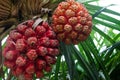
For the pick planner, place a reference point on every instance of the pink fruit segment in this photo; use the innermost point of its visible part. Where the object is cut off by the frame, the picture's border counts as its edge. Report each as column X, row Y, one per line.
column 48, row 68
column 10, row 55
column 15, row 35
column 32, row 54
column 9, row 64
column 28, row 76
column 21, row 28
column 42, row 51
column 39, row 74
column 30, row 69
column 41, row 64
column 20, row 45
column 20, row 61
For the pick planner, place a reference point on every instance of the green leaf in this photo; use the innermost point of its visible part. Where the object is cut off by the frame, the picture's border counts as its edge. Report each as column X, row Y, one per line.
column 95, row 52
column 57, row 67
column 110, row 50
column 90, row 59
column 109, row 18
column 109, row 25
column 69, row 59
column 103, row 34
column 101, row 10
column 83, row 63
column 86, row 1
column 96, row 8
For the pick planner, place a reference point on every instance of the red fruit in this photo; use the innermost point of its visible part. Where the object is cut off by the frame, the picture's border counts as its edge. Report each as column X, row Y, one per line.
column 50, row 51
column 21, row 61
column 29, row 49
column 32, row 54
column 21, row 28
column 48, row 68
column 56, row 52
column 18, row 71
column 67, row 28
column 28, row 76
column 70, row 20
column 46, row 25
column 30, row 23
column 32, row 41
column 78, row 27
column 29, row 32
column 58, row 28
column 44, row 41
column 54, row 43
column 9, row 64
column 15, row 35
column 10, row 44
column 40, row 64
column 50, row 34
column 53, row 52
column 30, row 69
column 10, row 55
column 49, row 59
column 42, row 51
column 20, row 45
column 40, row 30
column 39, row 74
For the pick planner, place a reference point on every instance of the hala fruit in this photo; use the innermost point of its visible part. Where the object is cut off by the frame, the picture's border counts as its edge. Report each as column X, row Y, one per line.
column 20, row 61
column 10, row 55
column 30, row 50
column 39, row 74
column 71, row 22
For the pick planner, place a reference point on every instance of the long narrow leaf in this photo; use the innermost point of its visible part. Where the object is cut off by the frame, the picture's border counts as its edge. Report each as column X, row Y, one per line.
column 68, row 58
column 103, row 34
column 57, row 67
column 91, row 59
column 83, row 63
column 110, row 50
column 112, row 26
column 101, row 10
column 97, row 57
column 95, row 7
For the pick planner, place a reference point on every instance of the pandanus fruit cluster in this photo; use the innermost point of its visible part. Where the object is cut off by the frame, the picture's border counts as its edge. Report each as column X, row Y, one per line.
column 71, row 22
column 32, row 49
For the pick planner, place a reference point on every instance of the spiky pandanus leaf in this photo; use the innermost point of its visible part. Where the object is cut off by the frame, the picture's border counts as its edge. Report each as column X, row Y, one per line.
column 30, row 8
column 5, row 9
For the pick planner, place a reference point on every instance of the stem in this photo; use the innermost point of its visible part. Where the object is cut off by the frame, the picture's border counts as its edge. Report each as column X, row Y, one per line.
column 1, row 62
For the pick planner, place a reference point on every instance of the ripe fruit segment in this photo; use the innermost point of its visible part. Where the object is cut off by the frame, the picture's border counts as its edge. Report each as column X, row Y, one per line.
column 11, row 55
column 32, row 54
column 71, row 22
column 30, row 50
column 20, row 61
